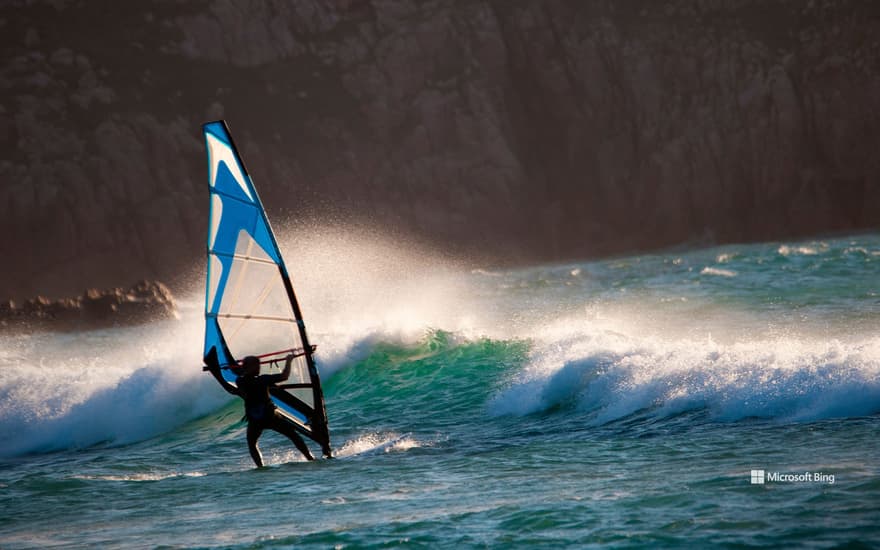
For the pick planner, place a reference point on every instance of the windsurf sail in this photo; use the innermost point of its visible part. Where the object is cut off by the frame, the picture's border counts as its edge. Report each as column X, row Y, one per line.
column 250, row 306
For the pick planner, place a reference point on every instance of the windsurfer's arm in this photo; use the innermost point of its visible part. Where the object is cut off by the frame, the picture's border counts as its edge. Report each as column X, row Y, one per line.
column 212, row 365
column 215, row 370
column 226, row 385
column 285, row 374
column 281, row 376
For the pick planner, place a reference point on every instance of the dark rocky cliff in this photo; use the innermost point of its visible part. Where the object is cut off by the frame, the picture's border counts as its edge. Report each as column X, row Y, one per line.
column 522, row 130
column 144, row 302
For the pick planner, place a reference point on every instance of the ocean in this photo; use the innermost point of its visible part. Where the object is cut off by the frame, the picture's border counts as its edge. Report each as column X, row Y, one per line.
column 721, row 397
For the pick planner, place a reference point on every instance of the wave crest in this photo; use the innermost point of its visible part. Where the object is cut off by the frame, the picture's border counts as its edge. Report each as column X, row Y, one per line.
column 783, row 379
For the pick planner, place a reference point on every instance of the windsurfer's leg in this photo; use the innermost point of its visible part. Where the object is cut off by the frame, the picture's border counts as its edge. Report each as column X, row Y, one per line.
column 286, row 428
column 253, row 434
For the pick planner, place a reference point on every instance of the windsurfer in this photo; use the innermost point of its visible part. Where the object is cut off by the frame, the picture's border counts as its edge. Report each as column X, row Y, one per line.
column 260, row 412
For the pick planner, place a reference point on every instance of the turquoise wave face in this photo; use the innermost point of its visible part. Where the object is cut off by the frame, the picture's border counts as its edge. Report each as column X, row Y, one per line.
column 439, row 381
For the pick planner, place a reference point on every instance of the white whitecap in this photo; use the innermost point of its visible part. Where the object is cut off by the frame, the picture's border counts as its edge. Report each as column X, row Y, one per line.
column 718, row 272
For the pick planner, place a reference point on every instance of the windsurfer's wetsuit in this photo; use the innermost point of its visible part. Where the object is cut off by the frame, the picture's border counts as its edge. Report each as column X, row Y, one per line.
column 259, row 409
column 261, row 413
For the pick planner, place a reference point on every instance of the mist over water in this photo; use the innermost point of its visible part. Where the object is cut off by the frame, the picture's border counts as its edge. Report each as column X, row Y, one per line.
column 451, row 387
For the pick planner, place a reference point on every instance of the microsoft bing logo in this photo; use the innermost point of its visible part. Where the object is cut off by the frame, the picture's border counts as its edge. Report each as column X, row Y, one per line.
column 760, row 477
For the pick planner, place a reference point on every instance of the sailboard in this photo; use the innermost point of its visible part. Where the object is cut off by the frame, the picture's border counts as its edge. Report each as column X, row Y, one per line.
column 250, row 305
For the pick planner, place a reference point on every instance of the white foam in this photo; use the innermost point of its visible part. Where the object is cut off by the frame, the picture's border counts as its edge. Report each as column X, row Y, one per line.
column 719, row 272
column 803, row 250
column 141, row 476
column 612, row 376
column 114, row 386
column 377, row 443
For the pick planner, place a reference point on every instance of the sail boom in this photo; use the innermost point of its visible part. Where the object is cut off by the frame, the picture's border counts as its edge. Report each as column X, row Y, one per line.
column 255, row 317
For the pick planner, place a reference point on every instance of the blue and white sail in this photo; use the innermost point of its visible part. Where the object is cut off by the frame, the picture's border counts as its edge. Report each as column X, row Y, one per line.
column 250, row 306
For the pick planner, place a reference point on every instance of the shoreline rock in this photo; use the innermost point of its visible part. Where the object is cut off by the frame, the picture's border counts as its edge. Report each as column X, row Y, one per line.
column 144, row 302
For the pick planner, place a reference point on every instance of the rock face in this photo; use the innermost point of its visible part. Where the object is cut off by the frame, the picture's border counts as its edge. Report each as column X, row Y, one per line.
column 145, row 301
column 519, row 130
